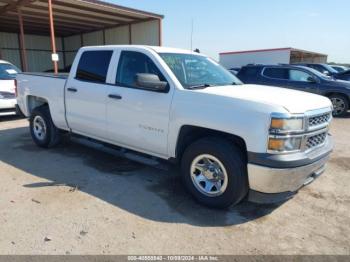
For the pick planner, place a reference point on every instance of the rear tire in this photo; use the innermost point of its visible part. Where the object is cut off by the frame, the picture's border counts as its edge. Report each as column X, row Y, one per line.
column 43, row 131
column 340, row 105
column 214, row 172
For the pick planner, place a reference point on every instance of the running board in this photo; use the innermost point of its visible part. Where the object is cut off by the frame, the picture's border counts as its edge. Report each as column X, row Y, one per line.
column 122, row 152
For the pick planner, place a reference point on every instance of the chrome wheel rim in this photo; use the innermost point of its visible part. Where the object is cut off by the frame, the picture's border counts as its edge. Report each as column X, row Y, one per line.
column 39, row 128
column 338, row 106
column 209, row 175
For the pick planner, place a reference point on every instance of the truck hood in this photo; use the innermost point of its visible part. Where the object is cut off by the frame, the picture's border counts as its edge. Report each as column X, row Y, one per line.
column 291, row 100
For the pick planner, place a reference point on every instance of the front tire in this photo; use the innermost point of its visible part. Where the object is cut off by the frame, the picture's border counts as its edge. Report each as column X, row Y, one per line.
column 340, row 105
column 214, row 172
column 43, row 131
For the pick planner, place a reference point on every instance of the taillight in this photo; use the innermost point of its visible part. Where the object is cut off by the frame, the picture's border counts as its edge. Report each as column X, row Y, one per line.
column 16, row 92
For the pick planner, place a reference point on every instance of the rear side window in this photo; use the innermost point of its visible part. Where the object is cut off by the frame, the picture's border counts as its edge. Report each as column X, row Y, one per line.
column 132, row 63
column 249, row 71
column 93, row 66
column 276, row 73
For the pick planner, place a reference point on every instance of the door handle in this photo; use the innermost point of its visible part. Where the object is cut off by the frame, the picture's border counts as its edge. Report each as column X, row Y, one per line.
column 72, row 89
column 114, row 96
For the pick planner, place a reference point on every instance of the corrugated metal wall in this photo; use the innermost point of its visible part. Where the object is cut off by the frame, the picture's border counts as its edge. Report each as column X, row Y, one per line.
column 38, row 51
column 71, row 45
column 39, row 47
column 9, row 49
column 117, row 36
column 145, row 33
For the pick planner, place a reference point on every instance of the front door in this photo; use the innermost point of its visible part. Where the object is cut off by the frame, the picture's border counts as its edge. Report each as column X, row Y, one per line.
column 136, row 117
column 302, row 81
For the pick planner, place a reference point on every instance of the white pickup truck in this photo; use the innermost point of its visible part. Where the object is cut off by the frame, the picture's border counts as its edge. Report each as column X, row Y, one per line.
column 231, row 140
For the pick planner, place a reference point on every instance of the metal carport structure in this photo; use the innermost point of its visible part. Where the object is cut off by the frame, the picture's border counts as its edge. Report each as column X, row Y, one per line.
column 62, row 26
column 287, row 55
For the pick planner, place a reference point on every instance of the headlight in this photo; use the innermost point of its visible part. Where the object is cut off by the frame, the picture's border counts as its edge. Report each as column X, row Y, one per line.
column 295, row 124
column 285, row 144
column 285, row 133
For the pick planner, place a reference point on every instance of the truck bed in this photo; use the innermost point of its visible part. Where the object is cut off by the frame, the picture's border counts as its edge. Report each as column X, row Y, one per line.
column 59, row 75
column 37, row 88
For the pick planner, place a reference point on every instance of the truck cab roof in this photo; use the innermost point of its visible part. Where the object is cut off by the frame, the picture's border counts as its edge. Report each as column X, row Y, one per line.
column 157, row 49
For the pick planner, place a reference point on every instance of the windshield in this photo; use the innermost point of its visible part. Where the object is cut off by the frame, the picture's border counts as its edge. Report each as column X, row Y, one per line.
column 8, row 71
column 330, row 69
column 198, row 71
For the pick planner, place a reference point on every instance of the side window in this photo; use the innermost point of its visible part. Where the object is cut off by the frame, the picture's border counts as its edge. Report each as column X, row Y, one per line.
column 299, row 76
column 93, row 66
column 317, row 67
column 249, row 71
column 132, row 63
column 276, row 73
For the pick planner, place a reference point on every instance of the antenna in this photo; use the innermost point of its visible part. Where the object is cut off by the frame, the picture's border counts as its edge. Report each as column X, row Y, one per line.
column 192, row 35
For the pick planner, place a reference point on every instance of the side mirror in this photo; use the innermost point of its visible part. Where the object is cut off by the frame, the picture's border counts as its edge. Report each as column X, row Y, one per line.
column 311, row 79
column 325, row 73
column 150, row 81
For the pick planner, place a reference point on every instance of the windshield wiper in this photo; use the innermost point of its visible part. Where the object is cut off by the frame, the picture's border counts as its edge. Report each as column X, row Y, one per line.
column 199, row 86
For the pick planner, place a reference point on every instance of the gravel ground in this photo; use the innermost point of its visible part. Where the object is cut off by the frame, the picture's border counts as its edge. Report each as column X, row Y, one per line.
column 77, row 200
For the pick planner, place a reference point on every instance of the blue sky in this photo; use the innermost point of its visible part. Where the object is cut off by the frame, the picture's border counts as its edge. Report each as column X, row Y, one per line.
column 230, row 25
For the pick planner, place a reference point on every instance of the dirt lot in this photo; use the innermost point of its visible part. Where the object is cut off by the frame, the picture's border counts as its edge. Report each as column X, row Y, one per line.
column 78, row 200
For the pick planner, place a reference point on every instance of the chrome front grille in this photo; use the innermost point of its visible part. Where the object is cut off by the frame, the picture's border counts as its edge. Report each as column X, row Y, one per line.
column 319, row 120
column 316, row 140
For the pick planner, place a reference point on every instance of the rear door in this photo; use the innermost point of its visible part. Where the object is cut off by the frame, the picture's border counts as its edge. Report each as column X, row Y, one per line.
column 249, row 74
column 275, row 76
column 86, row 94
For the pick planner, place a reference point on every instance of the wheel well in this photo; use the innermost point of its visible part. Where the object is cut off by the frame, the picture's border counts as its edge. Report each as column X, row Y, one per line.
column 34, row 102
column 189, row 134
column 339, row 94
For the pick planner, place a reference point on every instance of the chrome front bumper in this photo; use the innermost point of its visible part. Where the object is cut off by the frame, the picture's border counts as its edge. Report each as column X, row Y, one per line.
column 278, row 180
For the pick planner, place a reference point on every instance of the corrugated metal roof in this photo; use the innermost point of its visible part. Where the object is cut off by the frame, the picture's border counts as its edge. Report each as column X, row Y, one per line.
column 70, row 16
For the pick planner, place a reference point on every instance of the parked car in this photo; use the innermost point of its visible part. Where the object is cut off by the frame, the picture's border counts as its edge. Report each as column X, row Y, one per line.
column 344, row 75
column 329, row 71
column 340, row 68
column 300, row 78
column 8, row 103
column 322, row 68
column 231, row 140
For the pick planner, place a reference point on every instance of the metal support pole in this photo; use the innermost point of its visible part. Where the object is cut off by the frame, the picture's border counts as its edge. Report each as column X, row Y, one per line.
column 53, row 41
column 21, row 42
